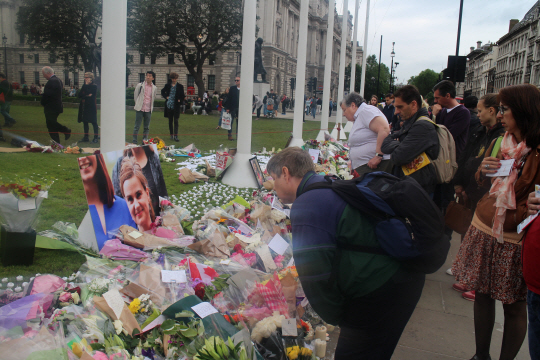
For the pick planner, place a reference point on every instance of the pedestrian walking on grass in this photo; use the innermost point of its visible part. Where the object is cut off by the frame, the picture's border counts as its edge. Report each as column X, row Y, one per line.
column 51, row 100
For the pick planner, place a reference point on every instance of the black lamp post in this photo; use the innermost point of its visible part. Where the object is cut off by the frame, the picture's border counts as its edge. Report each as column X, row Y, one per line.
column 238, row 56
column 392, row 54
column 4, row 42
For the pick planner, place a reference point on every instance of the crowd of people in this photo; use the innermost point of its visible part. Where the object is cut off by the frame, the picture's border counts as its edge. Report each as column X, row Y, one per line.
column 405, row 137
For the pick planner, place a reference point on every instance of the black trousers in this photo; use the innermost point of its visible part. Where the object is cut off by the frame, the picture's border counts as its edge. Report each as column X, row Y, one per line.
column 173, row 123
column 86, row 128
column 54, row 127
column 375, row 322
column 234, row 116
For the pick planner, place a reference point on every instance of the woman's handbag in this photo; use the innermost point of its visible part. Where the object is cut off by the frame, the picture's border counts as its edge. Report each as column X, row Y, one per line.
column 458, row 216
column 226, row 121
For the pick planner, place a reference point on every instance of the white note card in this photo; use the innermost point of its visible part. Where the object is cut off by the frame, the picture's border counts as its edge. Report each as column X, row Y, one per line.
column 314, row 153
column 504, row 170
column 526, row 223
column 225, row 262
column 173, row 276
column 266, row 257
column 278, row 244
column 135, row 234
column 204, row 309
column 115, row 302
column 27, row 204
column 288, row 327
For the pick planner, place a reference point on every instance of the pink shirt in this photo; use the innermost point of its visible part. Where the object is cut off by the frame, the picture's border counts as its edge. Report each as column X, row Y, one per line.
column 146, row 107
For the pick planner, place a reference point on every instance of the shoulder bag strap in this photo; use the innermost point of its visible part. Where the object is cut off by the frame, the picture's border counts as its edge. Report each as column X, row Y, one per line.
column 496, row 147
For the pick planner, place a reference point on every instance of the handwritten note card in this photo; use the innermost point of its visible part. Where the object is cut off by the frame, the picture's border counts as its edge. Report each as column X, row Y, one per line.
column 266, row 257
column 115, row 302
column 278, row 244
column 504, row 170
column 204, row 309
column 173, row 276
column 314, row 153
column 135, row 234
column 27, row 204
column 288, row 327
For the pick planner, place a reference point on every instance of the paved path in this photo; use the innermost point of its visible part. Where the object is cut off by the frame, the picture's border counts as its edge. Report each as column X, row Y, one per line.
column 442, row 326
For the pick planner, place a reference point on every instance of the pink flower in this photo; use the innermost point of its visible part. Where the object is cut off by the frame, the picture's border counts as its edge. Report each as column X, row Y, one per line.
column 279, row 259
column 65, row 297
column 100, row 356
column 183, row 262
column 166, row 203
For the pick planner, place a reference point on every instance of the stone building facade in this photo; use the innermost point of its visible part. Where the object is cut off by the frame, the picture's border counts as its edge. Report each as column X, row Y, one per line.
column 479, row 78
column 278, row 23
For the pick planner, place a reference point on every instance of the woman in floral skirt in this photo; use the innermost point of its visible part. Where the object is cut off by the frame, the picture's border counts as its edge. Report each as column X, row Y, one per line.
column 489, row 259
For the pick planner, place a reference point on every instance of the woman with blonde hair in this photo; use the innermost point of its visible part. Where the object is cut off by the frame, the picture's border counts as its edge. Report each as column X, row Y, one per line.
column 88, row 107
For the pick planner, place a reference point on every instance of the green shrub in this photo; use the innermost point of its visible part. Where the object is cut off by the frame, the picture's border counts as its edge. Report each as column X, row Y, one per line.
column 129, row 93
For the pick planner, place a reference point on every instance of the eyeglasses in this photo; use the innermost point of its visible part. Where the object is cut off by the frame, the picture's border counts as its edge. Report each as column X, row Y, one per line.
column 502, row 109
column 236, row 80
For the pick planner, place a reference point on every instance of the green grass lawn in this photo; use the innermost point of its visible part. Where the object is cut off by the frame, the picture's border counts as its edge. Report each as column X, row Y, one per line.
column 199, row 129
column 67, row 201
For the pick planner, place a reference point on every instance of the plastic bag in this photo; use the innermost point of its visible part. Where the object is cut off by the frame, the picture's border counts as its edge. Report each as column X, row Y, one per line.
column 226, row 120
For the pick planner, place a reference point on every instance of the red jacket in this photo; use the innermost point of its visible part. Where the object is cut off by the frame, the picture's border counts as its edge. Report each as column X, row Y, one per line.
column 530, row 255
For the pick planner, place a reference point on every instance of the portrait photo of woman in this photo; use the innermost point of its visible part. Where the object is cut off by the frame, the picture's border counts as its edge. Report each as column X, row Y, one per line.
column 107, row 210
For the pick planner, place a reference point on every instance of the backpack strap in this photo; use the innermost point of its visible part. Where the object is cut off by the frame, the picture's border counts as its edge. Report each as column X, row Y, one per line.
column 425, row 118
column 496, row 147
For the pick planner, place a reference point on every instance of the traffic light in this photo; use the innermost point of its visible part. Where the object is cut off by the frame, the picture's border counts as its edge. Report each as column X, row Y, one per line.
column 293, row 83
column 314, row 83
column 309, row 86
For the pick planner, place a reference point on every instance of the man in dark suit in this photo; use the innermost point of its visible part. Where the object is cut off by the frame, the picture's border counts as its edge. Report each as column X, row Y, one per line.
column 51, row 100
column 232, row 103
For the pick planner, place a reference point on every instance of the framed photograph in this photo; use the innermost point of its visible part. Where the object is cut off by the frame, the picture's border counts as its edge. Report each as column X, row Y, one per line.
column 259, row 175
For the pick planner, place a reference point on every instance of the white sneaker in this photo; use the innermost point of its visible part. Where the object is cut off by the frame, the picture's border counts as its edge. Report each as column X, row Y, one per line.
column 449, row 272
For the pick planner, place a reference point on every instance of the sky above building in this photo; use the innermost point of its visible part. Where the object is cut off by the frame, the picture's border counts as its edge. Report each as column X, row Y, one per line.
column 425, row 31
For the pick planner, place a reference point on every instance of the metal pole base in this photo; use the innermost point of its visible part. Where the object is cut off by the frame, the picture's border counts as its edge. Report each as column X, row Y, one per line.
column 239, row 173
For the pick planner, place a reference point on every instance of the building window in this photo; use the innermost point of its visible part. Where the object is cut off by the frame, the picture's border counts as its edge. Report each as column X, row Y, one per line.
column 21, row 58
column 212, row 59
column 190, row 80
column 141, row 59
column 36, row 58
column 66, row 78
column 170, row 59
column 66, row 59
column 52, row 58
column 153, row 58
column 21, row 77
column 21, row 38
column 211, row 82
column 75, row 79
column 36, row 77
column 141, row 77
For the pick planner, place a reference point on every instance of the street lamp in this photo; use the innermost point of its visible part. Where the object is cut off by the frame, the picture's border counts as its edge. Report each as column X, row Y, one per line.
column 238, row 55
column 4, row 42
column 392, row 54
column 394, row 77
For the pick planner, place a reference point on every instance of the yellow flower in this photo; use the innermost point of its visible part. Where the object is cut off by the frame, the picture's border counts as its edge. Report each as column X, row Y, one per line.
column 134, row 306
column 305, row 352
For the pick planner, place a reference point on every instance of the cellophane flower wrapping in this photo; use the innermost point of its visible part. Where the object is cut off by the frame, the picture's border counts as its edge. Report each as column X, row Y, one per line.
column 15, row 220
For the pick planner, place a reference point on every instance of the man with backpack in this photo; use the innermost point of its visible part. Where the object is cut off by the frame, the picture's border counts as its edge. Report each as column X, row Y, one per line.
column 6, row 92
column 416, row 144
column 347, row 278
column 144, row 95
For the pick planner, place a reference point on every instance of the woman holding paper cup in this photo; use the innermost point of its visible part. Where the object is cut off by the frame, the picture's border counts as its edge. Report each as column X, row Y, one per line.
column 489, row 259
column 108, row 211
column 136, row 192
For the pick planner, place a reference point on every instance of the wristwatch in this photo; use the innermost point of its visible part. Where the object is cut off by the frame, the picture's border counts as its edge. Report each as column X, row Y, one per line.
column 379, row 155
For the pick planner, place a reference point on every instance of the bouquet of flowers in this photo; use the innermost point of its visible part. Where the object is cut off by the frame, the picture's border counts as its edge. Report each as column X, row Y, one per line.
column 20, row 200
column 155, row 140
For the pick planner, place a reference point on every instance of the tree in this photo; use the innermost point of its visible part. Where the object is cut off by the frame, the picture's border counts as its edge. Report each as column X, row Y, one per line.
column 425, row 81
column 372, row 71
column 192, row 30
column 66, row 28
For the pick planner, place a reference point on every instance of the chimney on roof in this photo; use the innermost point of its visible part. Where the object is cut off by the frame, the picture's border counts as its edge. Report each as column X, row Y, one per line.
column 478, row 44
column 513, row 23
column 472, row 48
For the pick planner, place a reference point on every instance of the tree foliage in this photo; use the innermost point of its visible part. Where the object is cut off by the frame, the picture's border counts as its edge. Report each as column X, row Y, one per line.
column 425, row 81
column 372, row 74
column 192, row 30
column 66, row 28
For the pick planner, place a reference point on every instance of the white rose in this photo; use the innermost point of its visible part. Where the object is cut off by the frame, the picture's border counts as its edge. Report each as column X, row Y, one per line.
column 4, row 280
column 118, row 326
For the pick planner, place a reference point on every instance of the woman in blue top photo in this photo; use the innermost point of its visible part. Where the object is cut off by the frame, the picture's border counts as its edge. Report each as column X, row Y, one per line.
column 108, row 211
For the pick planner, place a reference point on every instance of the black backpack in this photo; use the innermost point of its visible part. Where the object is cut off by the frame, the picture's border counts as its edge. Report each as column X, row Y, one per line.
column 408, row 224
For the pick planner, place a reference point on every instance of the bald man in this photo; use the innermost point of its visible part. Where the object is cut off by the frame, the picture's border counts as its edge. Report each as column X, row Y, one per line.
column 51, row 100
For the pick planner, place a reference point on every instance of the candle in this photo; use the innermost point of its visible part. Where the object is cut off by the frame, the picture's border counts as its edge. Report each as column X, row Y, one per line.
column 320, row 333
column 320, row 348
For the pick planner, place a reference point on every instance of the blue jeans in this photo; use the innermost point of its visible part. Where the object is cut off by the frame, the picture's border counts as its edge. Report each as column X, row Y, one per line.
column 139, row 115
column 4, row 110
column 533, row 307
column 313, row 111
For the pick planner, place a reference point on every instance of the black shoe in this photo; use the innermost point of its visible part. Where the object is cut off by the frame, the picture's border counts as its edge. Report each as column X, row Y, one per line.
column 13, row 122
column 67, row 134
column 172, row 137
column 176, row 139
column 85, row 139
column 95, row 141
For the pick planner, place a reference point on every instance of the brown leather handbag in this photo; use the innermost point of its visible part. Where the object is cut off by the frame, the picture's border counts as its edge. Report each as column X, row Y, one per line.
column 458, row 216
